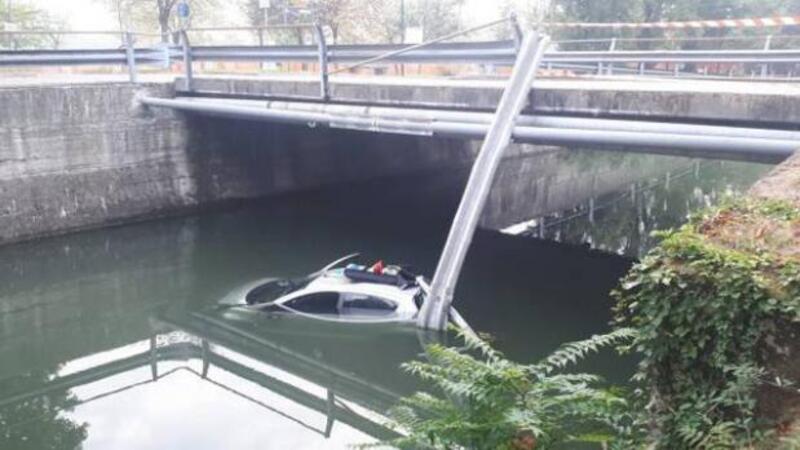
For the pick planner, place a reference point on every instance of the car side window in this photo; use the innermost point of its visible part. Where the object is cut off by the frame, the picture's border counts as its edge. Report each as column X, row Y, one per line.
column 316, row 303
column 363, row 302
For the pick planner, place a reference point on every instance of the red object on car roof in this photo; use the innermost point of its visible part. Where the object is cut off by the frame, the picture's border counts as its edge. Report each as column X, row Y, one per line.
column 377, row 268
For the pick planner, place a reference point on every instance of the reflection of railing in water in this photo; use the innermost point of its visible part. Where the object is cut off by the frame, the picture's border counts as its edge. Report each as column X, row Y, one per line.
column 334, row 406
column 331, row 403
column 228, row 335
column 592, row 207
column 654, row 207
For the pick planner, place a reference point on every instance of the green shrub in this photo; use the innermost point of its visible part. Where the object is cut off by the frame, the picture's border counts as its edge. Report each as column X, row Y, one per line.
column 485, row 401
column 704, row 302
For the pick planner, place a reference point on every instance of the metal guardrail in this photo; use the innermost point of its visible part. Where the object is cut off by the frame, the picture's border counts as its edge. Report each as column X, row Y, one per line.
column 494, row 52
column 503, row 53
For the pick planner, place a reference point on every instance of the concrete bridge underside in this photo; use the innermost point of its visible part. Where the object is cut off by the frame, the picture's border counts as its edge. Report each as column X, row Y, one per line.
column 76, row 156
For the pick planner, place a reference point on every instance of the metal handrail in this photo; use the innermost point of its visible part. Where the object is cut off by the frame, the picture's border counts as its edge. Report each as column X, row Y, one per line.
column 76, row 33
column 152, row 34
column 500, row 51
column 423, row 44
column 431, row 52
column 263, row 27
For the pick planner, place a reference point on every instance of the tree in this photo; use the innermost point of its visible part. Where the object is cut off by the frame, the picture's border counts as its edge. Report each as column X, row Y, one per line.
column 380, row 21
column 658, row 10
column 335, row 14
column 38, row 423
column 527, row 12
column 439, row 18
column 145, row 15
column 385, row 21
column 254, row 13
column 594, row 11
column 23, row 16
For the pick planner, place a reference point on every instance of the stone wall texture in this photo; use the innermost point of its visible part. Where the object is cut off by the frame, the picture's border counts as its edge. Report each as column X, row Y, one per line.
column 83, row 156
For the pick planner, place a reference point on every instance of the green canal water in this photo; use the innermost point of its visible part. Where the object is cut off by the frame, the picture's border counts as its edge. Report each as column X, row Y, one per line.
column 110, row 339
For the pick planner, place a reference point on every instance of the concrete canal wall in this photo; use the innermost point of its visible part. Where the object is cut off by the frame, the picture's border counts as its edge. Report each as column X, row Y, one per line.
column 78, row 156
column 82, row 156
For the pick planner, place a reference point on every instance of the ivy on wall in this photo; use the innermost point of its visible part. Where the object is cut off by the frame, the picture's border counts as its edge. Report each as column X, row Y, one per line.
column 706, row 302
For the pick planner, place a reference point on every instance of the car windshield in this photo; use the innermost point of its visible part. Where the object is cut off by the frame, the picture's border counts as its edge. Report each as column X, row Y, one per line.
column 273, row 290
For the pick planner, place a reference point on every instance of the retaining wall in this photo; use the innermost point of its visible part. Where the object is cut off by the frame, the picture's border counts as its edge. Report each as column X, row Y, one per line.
column 81, row 156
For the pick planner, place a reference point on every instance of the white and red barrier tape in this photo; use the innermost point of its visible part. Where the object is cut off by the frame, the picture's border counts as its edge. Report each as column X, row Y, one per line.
column 693, row 24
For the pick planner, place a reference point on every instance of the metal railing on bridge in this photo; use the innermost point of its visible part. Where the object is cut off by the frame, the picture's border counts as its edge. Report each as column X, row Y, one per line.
column 769, row 56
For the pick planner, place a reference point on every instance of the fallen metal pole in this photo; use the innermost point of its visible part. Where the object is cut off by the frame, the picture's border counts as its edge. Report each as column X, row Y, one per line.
column 434, row 313
column 661, row 139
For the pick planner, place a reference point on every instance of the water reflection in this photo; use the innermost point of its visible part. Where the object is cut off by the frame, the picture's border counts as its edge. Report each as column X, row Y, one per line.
column 622, row 222
column 278, row 387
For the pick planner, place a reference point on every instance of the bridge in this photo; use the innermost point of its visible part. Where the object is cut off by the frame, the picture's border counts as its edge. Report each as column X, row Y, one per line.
column 614, row 78
column 651, row 99
column 753, row 130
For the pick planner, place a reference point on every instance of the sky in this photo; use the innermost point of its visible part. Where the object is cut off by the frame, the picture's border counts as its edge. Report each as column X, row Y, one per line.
column 94, row 15
column 83, row 15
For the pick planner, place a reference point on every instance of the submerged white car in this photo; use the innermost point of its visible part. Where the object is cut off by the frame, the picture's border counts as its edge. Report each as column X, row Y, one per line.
column 353, row 294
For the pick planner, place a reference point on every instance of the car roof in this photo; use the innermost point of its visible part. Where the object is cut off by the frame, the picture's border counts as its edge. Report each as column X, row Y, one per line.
column 339, row 283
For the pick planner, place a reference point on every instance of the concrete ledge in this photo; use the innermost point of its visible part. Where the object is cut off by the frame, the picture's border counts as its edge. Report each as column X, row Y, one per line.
column 676, row 100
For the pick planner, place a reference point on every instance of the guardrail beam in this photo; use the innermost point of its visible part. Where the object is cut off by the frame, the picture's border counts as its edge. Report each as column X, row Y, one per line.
column 187, row 60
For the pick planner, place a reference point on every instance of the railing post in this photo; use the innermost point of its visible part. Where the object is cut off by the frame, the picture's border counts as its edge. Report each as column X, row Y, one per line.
column 205, row 354
column 322, row 46
column 154, row 357
column 187, row 60
column 329, row 413
column 130, row 55
column 611, row 48
column 765, row 67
